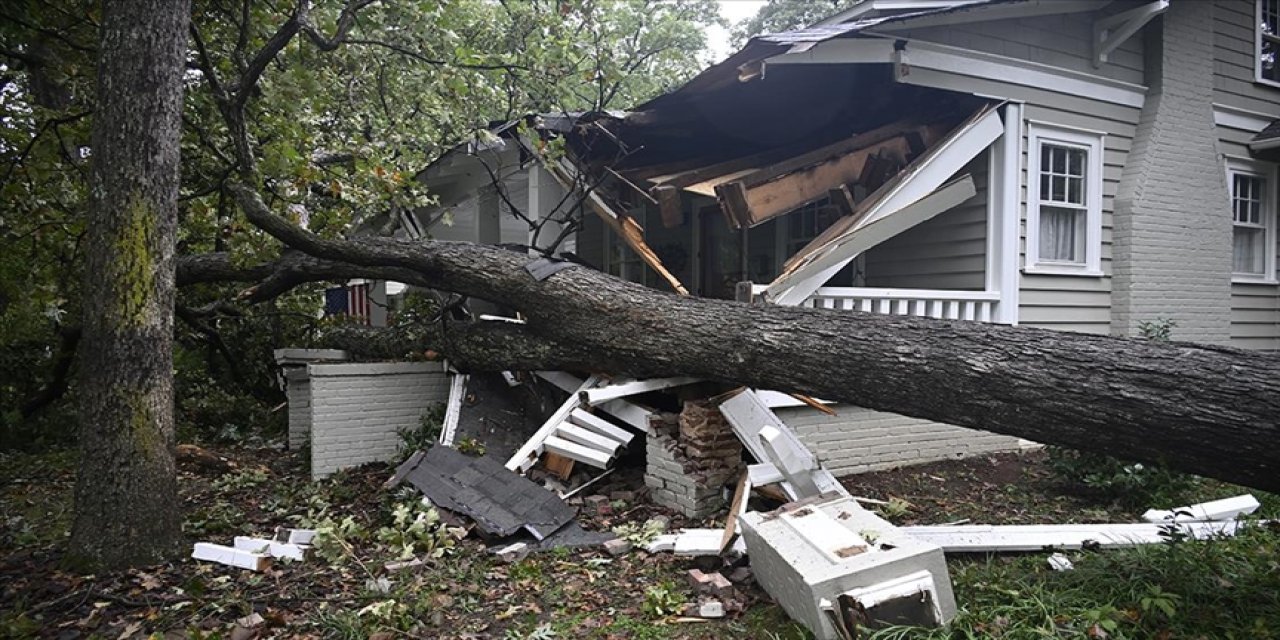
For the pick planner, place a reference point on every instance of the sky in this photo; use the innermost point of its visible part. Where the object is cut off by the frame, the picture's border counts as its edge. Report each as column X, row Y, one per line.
column 733, row 11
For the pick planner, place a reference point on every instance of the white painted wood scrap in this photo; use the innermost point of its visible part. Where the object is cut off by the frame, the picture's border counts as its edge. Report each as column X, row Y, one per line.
column 270, row 547
column 1225, row 509
column 453, row 408
column 977, row 538
column 230, row 556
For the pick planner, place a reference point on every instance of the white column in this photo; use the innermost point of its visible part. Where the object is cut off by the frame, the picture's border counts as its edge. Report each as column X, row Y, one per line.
column 1004, row 215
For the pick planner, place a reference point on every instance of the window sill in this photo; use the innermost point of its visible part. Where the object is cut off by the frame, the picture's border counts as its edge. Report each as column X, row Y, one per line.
column 1062, row 270
column 1267, row 83
column 1245, row 279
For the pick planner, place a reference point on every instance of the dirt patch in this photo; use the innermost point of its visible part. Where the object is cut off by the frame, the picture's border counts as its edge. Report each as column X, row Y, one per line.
column 1009, row 488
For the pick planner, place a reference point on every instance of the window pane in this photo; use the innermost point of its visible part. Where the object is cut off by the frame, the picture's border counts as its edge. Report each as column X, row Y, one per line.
column 1249, row 250
column 1269, row 26
column 1075, row 190
column 1062, row 235
column 1077, row 162
column 1248, row 195
column 1058, row 192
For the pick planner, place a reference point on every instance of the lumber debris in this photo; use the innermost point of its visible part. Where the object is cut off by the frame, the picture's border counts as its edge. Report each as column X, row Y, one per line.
column 1225, row 509
column 231, row 556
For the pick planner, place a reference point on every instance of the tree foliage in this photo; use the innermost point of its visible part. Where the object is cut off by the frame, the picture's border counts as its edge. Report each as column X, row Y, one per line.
column 359, row 98
column 783, row 15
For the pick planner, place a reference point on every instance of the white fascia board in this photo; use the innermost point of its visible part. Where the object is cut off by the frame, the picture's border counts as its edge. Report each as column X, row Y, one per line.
column 955, row 64
column 981, row 538
column 795, row 287
column 989, row 66
column 1027, row 9
column 606, row 393
column 1242, row 119
column 453, row 408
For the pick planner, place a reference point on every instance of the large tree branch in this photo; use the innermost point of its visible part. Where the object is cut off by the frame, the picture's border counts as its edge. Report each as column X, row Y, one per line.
column 1204, row 409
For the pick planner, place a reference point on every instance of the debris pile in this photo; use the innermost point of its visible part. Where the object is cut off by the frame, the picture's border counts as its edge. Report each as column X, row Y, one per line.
column 690, row 458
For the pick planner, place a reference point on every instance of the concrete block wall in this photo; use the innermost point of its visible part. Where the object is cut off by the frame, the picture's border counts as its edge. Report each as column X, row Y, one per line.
column 356, row 409
column 1172, row 248
column 857, row 440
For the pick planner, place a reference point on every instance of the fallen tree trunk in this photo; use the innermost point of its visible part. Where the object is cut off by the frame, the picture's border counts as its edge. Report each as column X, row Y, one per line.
column 1199, row 408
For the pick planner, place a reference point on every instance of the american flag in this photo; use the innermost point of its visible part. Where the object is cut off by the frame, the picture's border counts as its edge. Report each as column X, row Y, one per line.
column 351, row 300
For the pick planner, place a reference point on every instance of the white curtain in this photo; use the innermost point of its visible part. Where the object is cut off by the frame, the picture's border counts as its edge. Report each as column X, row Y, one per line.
column 1248, row 250
column 1059, row 234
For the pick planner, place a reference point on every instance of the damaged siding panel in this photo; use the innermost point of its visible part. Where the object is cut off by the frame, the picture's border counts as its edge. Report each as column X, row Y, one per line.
column 1255, row 308
column 1234, row 48
column 1064, row 41
column 1067, row 302
column 947, row 252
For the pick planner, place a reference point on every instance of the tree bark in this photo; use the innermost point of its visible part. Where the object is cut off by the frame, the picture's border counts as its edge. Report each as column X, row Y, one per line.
column 126, row 509
column 1199, row 408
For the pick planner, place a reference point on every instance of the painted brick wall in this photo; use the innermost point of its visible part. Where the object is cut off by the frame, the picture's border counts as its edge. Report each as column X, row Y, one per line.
column 298, row 392
column 1172, row 229
column 357, row 408
column 857, row 440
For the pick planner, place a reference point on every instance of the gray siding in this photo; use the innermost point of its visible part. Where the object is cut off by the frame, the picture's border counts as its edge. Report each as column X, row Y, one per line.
column 1234, row 47
column 1063, row 41
column 1255, row 308
column 1077, row 303
column 947, row 252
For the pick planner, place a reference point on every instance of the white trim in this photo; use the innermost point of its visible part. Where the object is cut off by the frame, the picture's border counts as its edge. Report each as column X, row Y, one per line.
column 794, row 288
column 1267, row 171
column 1111, row 32
column 1004, row 220
column 1242, row 119
column 867, row 6
column 1092, row 143
column 920, row 181
column 957, row 62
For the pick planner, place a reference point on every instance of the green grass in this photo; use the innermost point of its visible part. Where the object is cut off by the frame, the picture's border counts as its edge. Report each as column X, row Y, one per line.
column 1224, row 588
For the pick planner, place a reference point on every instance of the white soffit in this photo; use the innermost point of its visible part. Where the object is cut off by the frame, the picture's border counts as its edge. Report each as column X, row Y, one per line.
column 958, row 63
column 920, row 182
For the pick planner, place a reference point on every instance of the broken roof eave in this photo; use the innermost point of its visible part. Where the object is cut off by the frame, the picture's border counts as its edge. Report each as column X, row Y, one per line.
column 924, row 177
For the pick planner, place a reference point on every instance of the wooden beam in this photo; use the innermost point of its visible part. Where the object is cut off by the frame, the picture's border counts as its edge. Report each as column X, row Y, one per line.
column 624, row 226
column 668, row 199
column 751, row 201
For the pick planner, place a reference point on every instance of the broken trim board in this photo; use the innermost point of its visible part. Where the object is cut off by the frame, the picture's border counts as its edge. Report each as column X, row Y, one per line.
column 606, row 393
column 525, row 457
column 698, row 542
column 601, row 426
column 1225, row 509
column 231, row 556
column 270, row 547
column 295, row 536
column 978, row 538
column 453, row 409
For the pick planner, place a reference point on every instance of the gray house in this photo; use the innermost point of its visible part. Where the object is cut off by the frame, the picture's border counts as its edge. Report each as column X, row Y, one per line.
column 1079, row 165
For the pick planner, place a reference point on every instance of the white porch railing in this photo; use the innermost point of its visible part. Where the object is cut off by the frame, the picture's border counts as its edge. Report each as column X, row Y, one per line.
column 980, row 306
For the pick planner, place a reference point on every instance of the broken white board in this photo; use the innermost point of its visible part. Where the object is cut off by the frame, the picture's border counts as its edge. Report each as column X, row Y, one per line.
column 698, row 542
column 231, row 556
column 1225, row 509
column 270, row 547
column 979, row 538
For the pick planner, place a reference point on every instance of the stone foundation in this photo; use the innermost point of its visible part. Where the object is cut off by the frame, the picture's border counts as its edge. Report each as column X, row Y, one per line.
column 690, row 458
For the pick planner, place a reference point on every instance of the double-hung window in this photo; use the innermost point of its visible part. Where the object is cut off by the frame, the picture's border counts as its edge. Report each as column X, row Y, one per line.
column 1064, row 201
column 1252, row 187
column 1267, row 41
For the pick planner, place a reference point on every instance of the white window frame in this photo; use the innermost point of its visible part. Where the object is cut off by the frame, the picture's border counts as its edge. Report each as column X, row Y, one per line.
column 1092, row 142
column 1266, row 171
column 1257, row 46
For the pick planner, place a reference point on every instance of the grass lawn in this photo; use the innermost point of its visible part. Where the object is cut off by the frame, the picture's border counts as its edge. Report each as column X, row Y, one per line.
column 1216, row 589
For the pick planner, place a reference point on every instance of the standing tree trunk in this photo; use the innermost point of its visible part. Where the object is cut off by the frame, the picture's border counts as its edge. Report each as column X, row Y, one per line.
column 126, row 507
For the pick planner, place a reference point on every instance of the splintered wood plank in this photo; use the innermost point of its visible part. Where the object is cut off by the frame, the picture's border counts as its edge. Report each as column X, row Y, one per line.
column 585, row 455
column 557, row 464
column 735, row 509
